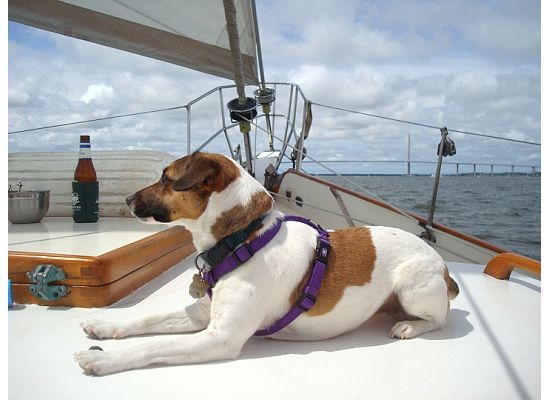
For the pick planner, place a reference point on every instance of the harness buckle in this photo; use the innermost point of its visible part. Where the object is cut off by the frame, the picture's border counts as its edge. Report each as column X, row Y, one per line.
column 307, row 300
column 322, row 250
column 205, row 265
column 243, row 252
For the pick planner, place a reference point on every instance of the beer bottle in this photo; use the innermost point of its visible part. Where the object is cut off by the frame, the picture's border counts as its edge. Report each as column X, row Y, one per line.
column 85, row 198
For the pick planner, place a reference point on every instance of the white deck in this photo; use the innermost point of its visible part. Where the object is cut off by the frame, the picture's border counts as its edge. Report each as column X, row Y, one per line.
column 490, row 349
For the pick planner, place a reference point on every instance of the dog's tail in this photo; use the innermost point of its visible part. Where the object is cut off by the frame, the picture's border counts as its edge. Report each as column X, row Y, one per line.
column 452, row 286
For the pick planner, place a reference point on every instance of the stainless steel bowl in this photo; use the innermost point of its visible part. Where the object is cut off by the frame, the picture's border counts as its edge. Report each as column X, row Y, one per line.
column 27, row 207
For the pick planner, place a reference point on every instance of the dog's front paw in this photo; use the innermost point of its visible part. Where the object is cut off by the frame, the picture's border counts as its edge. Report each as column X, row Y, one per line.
column 97, row 329
column 97, row 362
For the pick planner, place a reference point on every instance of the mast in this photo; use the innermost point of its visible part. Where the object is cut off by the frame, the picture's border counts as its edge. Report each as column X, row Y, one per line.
column 234, row 44
column 242, row 109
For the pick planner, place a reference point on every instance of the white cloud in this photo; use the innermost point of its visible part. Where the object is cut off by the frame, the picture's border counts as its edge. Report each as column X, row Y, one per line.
column 18, row 98
column 100, row 93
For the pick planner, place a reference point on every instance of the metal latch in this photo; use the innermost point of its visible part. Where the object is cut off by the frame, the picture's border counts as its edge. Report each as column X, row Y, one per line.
column 41, row 276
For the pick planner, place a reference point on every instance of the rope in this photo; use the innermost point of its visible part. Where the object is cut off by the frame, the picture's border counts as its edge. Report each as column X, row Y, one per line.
column 97, row 119
column 425, row 125
column 258, row 45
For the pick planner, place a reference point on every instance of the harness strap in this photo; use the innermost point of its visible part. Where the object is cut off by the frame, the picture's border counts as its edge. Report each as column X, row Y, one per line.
column 243, row 252
column 309, row 294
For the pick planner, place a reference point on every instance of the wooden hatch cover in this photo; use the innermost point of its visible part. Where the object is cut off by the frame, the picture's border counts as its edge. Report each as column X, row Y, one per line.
column 95, row 281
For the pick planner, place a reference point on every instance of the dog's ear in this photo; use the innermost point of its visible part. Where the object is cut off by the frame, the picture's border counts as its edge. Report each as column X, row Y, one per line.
column 199, row 172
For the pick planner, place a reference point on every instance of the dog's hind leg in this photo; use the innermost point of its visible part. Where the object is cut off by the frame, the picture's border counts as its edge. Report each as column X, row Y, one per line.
column 423, row 296
column 193, row 318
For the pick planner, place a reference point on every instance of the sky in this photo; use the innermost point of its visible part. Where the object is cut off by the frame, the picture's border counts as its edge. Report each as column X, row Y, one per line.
column 468, row 65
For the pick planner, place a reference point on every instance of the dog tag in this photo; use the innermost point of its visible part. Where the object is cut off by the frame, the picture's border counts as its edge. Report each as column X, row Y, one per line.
column 198, row 287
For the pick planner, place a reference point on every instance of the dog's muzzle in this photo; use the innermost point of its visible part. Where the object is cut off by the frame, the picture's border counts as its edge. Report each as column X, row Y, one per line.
column 130, row 201
column 147, row 211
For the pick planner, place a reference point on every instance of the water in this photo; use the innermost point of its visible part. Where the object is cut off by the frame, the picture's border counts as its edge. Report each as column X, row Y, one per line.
column 503, row 210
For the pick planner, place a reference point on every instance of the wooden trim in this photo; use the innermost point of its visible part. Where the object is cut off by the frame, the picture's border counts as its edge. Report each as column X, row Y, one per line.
column 501, row 266
column 421, row 220
column 102, row 280
column 21, row 262
column 100, row 296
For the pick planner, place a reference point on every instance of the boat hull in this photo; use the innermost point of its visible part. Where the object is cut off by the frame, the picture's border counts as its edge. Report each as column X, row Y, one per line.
column 333, row 207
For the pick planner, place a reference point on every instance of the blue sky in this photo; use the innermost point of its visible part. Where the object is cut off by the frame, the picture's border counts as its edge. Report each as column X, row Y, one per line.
column 468, row 65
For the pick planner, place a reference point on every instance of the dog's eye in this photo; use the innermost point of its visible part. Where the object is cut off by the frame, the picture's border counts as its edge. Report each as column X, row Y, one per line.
column 164, row 179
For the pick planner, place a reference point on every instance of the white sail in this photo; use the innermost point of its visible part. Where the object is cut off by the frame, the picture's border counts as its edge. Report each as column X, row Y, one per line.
column 189, row 33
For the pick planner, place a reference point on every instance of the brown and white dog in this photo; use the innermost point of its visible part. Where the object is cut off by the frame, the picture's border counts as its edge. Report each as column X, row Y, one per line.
column 212, row 196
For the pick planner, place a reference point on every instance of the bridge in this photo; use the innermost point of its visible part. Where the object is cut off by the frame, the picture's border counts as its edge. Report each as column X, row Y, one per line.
column 458, row 168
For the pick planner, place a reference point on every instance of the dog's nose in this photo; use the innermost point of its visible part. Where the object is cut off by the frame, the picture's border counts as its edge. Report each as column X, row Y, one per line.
column 130, row 199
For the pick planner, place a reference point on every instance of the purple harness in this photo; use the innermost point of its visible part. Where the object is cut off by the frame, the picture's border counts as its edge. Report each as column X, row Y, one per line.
column 242, row 252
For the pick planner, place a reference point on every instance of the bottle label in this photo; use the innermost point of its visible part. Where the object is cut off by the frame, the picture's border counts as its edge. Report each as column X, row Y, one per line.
column 85, row 150
column 85, row 201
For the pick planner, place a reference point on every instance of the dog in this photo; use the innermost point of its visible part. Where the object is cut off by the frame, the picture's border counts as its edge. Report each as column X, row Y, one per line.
column 368, row 269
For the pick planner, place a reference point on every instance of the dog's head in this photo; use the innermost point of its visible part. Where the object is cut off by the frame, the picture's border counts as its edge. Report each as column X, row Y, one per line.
column 209, row 194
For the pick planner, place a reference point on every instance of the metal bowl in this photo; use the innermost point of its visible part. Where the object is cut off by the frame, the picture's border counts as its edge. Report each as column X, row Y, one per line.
column 27, row 207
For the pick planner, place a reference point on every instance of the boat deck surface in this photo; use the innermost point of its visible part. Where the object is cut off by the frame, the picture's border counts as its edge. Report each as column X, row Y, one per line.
column 490, row 348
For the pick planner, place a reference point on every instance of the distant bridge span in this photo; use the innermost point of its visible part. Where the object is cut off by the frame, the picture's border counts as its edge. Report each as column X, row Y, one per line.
column 489, row 167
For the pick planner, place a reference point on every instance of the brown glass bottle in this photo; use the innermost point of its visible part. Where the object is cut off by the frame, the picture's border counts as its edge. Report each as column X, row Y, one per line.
column 85, row 170
column 85, row 198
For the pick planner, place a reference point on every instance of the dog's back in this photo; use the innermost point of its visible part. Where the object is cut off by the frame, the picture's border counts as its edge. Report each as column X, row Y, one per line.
column 367, row 267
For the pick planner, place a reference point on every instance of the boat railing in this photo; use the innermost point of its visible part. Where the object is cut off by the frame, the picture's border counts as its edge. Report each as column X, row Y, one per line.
column 280, row 131
column 291, row 107
column 284, row 115
column 502, row 265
